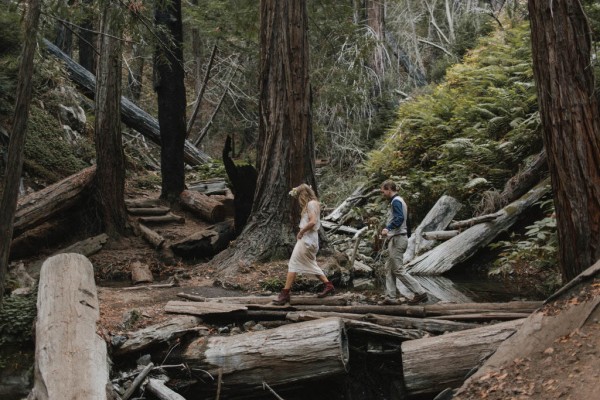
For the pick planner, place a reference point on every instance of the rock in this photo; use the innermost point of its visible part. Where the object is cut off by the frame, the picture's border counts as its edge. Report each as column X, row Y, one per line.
column 364, row 283
column 144, row 360
column 74, row 116
column 223, row 329
column 361, row 270
column 248, row 325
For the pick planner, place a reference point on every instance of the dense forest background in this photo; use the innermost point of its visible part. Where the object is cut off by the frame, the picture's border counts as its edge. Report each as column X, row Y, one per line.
column 438, row 95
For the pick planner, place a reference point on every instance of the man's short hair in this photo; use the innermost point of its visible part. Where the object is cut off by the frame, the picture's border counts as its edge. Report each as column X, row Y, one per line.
column 389, row 185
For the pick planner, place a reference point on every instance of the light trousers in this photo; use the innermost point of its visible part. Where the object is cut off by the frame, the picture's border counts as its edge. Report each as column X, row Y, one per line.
column 394, row 268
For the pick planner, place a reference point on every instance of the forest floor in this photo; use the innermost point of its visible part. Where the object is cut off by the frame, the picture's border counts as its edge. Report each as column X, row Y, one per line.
column 569, row 369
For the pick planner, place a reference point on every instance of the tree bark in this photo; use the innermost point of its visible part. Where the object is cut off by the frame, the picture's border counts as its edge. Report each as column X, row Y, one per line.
column 375, row 21
column 71, row 360
column 285, row 146
column 570, row 116
column 10, row 183
column 205, row 243
column 169, row 86
column 110, row 172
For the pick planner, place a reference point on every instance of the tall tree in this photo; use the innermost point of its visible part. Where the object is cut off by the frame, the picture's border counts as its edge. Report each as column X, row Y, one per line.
column 17, row 138
column 285, row 149
column 170, row 88
column 110, row 172
column 87, row 39
column 561, row 45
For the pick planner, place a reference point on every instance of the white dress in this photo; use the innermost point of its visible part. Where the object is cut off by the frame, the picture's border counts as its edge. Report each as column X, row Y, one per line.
column 304, row 256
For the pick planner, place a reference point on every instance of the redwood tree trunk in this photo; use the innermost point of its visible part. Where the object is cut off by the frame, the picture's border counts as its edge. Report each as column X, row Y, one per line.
column 285, row 143
column 571, row 127
column 375, row 20
column 17, row 138
column 110, row 173
column 168, row 74
column 87, row 39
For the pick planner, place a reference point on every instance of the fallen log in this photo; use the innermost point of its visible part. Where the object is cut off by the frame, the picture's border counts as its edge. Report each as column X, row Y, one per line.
column 458, row 249
column 71, row 359
column 467, row 223
column 151, row 236
column 371, row 329
column 209, row 187
column 484, row 317
column 289, row 354
column 330, row 226
column 86, row 247
column 140, row 273
column 162, row 219
column 148, row 210
column 137, row 381
column 201, row 308
column 437, row 218
column 38, row 207
column 51, row 233
column 356, row 198
column 131, row 115
column 142, row 203
column 155, row 335
column 205, row 243
column 202, row 205
column 433, row 364
column 211, row 308
column 331, row 300
column 425, row 324
column 439, row 235
column 438, row 287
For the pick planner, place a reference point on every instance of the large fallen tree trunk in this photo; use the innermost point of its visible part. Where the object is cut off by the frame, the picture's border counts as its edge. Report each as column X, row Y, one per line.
column 357, row 197
column 458, row 249
column 437, row 218
column 433, row 364
column 38, row 207
column 131, row 115
column 70, row 358
column 289, row 354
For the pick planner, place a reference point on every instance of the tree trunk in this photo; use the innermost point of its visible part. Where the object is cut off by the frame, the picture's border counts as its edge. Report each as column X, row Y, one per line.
column 205, row 243
column 10, row 183
column 288, row 354
column 136, row 71
column 375, row 21
column 71, row 359
column 169, row 86
column 570, row 117
column 87, row 39
column 285, row 146
column 110, row 172
column 432, row 364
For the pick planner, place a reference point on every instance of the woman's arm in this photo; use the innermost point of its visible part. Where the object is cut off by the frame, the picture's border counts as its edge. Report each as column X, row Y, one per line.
column 312, row 209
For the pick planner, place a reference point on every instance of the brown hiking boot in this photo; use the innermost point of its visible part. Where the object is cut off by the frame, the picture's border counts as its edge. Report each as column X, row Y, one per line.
column 419, row 298
column 328, row 291
column 283, row 298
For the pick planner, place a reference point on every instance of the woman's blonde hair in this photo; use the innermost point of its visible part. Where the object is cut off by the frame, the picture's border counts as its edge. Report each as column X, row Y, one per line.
column 304, row 193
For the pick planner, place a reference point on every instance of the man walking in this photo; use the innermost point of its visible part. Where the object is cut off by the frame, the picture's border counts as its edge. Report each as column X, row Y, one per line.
column 396, row 233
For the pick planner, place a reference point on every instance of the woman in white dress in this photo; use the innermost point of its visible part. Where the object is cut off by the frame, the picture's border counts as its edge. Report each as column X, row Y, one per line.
column 304, row 256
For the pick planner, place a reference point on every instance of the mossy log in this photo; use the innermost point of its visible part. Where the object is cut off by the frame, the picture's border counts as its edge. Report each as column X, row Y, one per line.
column 205, row 243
